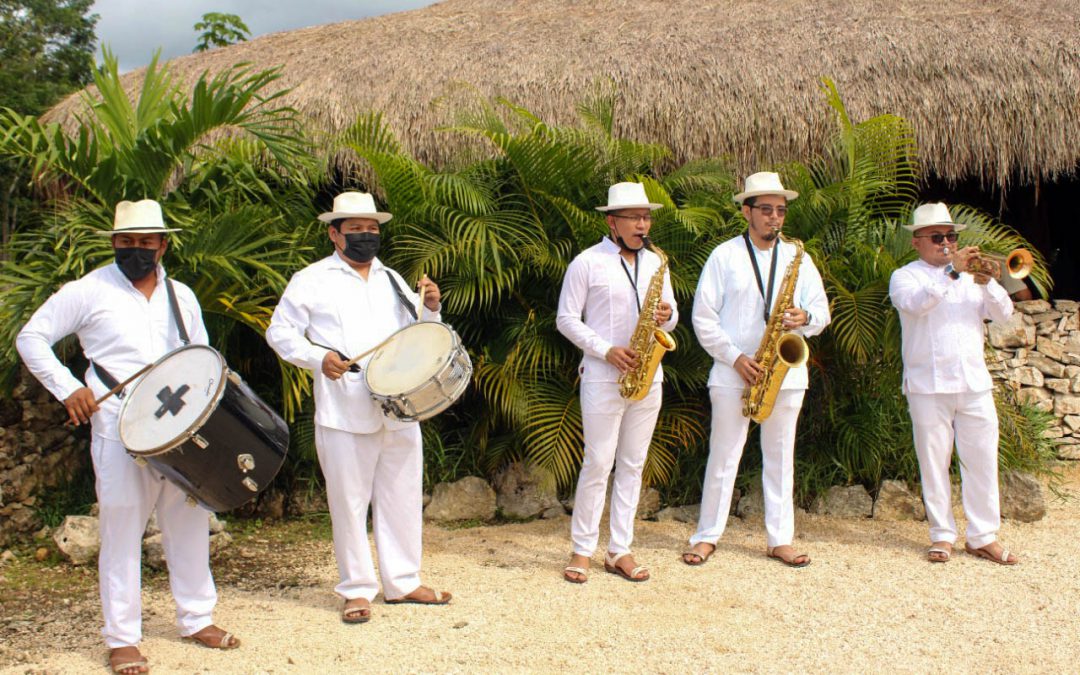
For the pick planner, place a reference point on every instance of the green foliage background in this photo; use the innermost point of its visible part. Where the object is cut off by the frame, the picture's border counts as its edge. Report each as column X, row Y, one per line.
column 496, row 229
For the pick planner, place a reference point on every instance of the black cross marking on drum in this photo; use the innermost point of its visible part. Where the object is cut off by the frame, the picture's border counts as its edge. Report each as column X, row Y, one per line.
column 171, row 402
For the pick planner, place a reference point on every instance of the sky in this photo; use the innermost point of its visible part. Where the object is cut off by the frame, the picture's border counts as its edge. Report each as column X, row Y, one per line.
column 133, row 29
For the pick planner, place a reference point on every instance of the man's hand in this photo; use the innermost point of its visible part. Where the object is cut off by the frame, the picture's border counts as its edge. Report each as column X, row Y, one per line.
column 81, row 405
column 432, row 296
column 795, row 318
column 961, row 259
column 663, row 313
column 333, row 366
column 623, row 358
column 748, row 369
column 981, row 279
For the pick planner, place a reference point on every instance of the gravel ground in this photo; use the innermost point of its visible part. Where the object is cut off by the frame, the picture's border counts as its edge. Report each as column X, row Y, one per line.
column 868, row 601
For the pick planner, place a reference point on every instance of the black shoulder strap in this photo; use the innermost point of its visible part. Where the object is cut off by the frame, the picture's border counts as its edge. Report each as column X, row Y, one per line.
column 402, row 298
column 175, row 306
column 106, row 378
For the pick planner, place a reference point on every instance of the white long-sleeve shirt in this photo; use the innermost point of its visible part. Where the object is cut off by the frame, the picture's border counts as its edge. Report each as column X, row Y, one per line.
column 598, row 305
column 942, row 324
column 118, row 328
column 729, row 311
column 329, row 305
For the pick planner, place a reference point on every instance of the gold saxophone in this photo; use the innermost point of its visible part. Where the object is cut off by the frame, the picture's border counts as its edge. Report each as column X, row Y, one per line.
column 779, row 350
column 649, row 340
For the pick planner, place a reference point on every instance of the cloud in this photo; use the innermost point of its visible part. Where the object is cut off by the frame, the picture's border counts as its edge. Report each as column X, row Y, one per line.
column 134, row 29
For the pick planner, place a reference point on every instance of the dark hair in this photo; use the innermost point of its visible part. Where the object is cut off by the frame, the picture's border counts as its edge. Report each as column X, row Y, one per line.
column 336, row 223
column 749, row 201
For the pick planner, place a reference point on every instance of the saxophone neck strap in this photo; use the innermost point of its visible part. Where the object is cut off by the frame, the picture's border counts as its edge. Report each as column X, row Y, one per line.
column 633, row 279
column 767, row 297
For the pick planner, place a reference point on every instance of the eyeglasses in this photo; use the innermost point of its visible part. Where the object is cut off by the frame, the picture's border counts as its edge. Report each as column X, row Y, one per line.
column 767, row 209
column 647, row 220
column 938, row 237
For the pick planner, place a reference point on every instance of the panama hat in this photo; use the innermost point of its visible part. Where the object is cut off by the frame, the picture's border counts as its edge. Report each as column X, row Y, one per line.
column 928, row 215
column 628, row 196
column 355, row 205
column 764, row 183
column 141, row 217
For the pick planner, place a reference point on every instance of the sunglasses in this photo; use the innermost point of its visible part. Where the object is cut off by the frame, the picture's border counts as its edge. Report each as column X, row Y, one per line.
column 767, row 210
column 938, row 237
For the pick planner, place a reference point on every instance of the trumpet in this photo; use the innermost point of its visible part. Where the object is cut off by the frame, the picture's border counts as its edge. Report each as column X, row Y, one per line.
column 1017, row 264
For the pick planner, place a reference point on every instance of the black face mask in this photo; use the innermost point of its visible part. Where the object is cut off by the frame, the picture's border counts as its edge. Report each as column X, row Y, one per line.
column 136, row 263
column 362, row 246
column 624, row 246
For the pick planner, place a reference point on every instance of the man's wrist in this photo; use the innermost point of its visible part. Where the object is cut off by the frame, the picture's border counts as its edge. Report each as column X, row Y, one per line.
column 951, row 272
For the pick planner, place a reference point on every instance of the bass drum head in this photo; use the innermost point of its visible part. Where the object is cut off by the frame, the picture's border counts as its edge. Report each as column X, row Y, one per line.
column 172, row 400
column 412, row 356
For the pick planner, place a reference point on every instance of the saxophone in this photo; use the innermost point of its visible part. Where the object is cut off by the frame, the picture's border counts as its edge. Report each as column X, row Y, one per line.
column 778, row 351
column 649, row 340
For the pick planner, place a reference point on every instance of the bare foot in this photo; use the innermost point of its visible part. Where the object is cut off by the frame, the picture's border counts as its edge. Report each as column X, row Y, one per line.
column 423, row 596
column 937, row 556
column 356, row 610
column 215, row 638
column 787, row 555
column 699, row 553
column 574, row 576
column 994, row 552
column 626, row 567
column 127, row 661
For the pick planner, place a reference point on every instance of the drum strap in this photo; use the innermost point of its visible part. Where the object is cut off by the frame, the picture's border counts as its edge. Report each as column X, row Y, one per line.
column 107, row 378
column 175, row 307
column 402, row 298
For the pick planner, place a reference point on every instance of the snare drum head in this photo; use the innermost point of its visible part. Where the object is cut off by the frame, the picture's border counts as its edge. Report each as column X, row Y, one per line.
column 172, row 398
column 412, row 356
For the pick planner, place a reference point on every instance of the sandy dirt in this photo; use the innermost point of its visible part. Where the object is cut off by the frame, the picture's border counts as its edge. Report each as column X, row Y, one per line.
column 869, row 601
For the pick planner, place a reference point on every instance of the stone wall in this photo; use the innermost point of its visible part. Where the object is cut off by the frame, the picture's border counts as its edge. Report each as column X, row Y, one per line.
column 37, row 452
column 1038, row 352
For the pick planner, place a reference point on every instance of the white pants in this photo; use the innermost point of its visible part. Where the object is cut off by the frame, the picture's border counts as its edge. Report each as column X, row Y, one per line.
column 384, row 470
column 617, row 432
column 970, row 419
column 127, row 493
column 729, row 429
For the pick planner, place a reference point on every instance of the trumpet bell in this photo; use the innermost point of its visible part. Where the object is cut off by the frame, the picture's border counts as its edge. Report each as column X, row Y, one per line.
column 1017, row 264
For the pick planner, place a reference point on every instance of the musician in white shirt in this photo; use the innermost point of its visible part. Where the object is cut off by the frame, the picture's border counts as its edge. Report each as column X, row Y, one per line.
column 122, row 317
column 598, row 310
column 334, row 309
column 730, row 314
column 948, row 388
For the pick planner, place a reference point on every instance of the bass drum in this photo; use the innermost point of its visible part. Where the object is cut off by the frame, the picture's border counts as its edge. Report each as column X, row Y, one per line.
column 419, row 372
column 203, row 428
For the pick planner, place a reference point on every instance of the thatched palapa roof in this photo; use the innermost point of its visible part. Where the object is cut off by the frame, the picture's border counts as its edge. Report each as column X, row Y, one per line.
column 991, row 87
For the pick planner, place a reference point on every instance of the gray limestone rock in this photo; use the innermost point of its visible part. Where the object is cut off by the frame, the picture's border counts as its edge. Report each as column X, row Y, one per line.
column 470, row 498
column 524, row 491
column 78, row 539
column 896, row 502
column 852, row 501
column 1021, row 497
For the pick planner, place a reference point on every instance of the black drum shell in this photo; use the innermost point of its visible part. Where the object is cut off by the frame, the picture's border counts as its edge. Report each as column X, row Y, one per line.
column 240, row 424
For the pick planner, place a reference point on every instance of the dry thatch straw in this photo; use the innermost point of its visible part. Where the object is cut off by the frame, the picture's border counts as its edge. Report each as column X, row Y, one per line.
column 991, row 87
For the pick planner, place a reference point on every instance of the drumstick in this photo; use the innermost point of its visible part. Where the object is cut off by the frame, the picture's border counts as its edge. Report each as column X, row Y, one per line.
column 360, row 356
column 420, row 304
column 118, row 387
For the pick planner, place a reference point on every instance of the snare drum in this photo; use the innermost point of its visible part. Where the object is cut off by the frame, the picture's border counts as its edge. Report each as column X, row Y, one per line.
column 202, row 427
column 419, row 372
